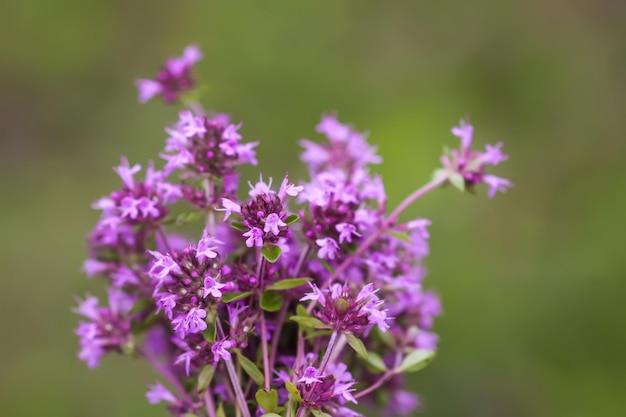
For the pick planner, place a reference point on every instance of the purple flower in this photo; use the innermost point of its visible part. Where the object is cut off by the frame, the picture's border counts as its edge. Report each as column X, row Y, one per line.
column 212, row 287
column 464, row 132
column 254, row 237
column 496, row 184
column 108, row 328
column 173, row 79
column 186, row 358
column 289, row 189
column 419, row 225
column 470, row 164
column 346, row 230
column 328, row 248
column 162, row 266
column 206, row 247
column 220, row 350
column 93, row 267
column 426, row 340
column 309, row 376
column 493, row 155
column 127, row 173
column 229, row 207
column 260, row 187
column 158, row 393
column 192, row 322
column 402, row 403
column 272, row 224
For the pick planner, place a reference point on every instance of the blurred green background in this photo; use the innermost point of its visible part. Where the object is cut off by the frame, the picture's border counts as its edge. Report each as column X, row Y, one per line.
column 533, row 281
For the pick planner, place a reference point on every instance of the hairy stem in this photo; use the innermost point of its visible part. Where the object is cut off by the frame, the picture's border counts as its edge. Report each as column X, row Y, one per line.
column 234, row 379
column 329, row 350
column 209, row 403
column 277, row 331
column 266, row 365
column 210, row 216
column 384, row 378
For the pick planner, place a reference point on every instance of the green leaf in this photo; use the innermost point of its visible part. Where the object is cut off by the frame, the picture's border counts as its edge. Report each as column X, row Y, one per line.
column 318, row 413
column 184, row 218
column 308, row 321
column 288, row 284
column 251, row 369
column 327, row 266
column 415, row 361
column 291, row 219
column 270, row 414
column 400, row 235
column 457, row 180
column 267, row 400
column 220, row 411
column 190, row 415
column 301, row 310
column 271, row 301
column 271, row 253
column 205, row 377
column 375, row 363
column 440, row 174
column 356, row 344
column 291, row 388
column 235, row 296
column 141, row 305
column 314, row 334
column 210, row 332
column 239, row 226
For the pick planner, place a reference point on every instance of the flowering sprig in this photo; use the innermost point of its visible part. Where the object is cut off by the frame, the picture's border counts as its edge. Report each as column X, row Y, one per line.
column 271, row 310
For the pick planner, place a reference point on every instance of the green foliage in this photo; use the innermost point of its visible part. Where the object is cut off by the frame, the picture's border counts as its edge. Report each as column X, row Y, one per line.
column 251, row 369
column 271, row 253
column 271, row 301
column 415, row 361
column 267, row 400
column 287, row 284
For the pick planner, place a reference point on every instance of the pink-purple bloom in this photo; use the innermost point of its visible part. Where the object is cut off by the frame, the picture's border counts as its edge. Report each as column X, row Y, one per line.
column 258, row 304
column 173, row 79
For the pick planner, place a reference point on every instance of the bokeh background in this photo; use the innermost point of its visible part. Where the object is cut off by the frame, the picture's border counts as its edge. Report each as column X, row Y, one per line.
column 533, row 281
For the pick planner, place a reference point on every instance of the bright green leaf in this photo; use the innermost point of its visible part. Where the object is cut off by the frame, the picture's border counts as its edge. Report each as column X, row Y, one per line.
column 415, row 360
column 271, row 253
column 205, row 377
column 251, row 369
column 375, row 363
column 301, row 310
column 291, row 219
column 220, row 411
column 267, row 400
column 271, row 415
column 327, row 266
column 291, row 388
column 210, row 332
column 185, row 218
column 400, row 235
column 239, row 226
column 271, row 301
column 318, row 413
column 229, row 297
column 141, row 305
column 287, row 284
column 356, row 344
column 308, row 321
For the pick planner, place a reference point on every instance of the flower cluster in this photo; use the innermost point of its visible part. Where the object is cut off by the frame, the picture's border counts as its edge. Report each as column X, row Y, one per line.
column 301, row 298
